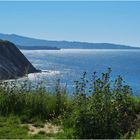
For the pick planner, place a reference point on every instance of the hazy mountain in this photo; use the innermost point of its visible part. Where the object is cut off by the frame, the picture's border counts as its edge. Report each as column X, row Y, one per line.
column 37, row 47
column 13, row 63
column 28, row 43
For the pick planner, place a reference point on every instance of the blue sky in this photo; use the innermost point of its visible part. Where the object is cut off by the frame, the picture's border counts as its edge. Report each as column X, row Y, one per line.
column 112, row 22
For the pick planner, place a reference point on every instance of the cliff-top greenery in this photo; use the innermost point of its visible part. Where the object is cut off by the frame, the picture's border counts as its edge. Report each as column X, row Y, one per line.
column 98, row 108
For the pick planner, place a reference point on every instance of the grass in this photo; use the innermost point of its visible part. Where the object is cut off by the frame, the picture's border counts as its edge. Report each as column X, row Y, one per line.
column 10, row 127
column 39, row 124
column 99, row 108
column 136, row 135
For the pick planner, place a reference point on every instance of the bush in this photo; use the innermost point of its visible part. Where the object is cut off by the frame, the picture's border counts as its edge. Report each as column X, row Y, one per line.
column 109, row 110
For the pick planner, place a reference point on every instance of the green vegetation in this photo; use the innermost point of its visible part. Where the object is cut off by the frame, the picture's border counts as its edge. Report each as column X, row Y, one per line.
column 136, row 135
column 10, row 128
column 99, row 108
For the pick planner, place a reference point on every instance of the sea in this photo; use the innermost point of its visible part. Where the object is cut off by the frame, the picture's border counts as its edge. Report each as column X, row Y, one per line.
column 68, row 65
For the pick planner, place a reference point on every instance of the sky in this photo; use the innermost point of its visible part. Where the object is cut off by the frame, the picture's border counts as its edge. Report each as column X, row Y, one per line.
column 102, row 22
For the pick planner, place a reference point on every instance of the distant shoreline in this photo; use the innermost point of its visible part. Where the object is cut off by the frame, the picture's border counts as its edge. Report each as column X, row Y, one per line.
column 37, row 48
column 76, row 49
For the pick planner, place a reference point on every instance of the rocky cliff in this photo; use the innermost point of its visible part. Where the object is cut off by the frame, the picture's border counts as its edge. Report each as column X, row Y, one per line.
column 13, row 63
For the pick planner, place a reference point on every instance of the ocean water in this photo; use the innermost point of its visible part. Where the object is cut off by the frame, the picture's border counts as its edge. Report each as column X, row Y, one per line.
column 69, row 64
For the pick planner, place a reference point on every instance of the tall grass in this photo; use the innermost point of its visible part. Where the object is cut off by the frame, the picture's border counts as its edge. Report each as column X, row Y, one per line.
column 100, row 107
column 29, row 103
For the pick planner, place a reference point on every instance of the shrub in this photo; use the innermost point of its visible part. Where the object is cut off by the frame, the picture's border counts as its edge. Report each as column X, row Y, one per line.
column 108, row 112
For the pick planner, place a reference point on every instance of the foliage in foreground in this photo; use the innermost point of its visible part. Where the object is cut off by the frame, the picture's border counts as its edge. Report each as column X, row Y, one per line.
column 31, row 104
column 10, row 128
column 100, row 108
column 103, row 109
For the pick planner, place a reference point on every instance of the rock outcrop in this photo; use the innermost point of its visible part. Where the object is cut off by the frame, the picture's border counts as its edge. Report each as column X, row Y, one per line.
column 13, row 63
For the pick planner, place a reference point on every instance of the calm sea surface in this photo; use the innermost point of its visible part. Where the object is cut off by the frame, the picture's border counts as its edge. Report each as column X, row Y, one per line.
column 69, row 64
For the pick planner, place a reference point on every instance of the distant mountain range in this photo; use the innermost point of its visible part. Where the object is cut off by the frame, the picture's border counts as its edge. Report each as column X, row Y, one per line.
column 32, row 43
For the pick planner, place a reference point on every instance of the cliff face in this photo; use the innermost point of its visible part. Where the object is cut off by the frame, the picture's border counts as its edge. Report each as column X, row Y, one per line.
column 13, row 63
